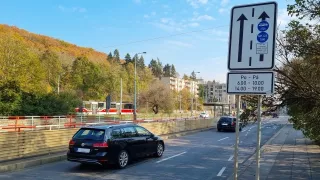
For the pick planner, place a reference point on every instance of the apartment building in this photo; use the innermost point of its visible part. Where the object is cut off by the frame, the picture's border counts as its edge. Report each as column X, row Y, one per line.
column 217, row 92
column 178, row 84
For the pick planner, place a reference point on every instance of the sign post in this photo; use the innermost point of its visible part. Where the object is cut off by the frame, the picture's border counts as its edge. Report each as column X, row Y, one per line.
column 251, row 60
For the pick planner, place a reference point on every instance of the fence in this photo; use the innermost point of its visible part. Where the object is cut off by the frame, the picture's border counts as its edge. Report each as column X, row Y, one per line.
column 27, row 123
column 15, row 145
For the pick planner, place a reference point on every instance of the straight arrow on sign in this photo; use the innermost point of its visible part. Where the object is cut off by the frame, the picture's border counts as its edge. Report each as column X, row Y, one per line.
column 263, row 16
column 242, row 18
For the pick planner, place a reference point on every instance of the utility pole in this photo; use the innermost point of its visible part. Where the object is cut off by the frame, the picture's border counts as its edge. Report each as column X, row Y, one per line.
column 235, row 170
column 120, row 95
column 135, row 86
column 59, row 84
column 258, row 139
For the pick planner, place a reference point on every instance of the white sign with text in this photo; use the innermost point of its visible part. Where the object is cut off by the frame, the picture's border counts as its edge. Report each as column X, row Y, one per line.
column 250, row 83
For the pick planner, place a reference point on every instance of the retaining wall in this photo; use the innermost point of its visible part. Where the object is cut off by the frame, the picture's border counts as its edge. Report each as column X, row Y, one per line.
column 15, row 145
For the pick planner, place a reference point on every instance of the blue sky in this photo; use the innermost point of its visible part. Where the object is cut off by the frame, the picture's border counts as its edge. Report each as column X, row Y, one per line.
column 108, row 24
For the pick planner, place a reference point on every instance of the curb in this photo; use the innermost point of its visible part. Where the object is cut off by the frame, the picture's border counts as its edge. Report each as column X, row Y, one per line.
column 31, row 162
column 22, row 164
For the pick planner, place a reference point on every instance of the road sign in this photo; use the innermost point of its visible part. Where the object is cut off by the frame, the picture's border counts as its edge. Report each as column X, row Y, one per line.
column 252, row 36
column 250, row 83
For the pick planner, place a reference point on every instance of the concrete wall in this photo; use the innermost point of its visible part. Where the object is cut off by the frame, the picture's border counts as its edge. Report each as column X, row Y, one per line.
column 14, row 145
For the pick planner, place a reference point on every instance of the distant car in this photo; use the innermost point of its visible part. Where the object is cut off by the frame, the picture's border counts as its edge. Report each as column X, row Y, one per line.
column 228, row 123
column 275, row 115
column 113, row 144
column 204, row 115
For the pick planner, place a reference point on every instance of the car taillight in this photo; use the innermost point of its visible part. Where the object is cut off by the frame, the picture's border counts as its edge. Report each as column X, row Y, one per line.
column 104, row 144
column 233, row 123
column 71, row 142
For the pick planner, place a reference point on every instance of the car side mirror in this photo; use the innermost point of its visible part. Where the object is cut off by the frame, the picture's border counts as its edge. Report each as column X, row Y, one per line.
column 152, row 135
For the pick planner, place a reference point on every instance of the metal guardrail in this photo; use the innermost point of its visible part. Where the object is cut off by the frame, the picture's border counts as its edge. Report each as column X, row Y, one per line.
column 26, row 123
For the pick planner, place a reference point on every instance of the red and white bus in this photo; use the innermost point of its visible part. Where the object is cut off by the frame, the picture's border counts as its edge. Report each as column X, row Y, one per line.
column 100, row 108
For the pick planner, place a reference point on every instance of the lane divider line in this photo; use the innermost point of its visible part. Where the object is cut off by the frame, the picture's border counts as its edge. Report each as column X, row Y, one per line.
column 221, row 171
column 231, row 157
column 223, row 138
column 170, row 157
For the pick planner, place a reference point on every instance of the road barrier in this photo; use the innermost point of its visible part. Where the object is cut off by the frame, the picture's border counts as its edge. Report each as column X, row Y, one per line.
column 26, row 123
column 15, row 145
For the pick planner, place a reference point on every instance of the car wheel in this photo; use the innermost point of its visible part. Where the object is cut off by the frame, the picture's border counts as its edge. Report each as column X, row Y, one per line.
column 219, row 130
column 123, row 159
column 160, row 150
column 240, row 129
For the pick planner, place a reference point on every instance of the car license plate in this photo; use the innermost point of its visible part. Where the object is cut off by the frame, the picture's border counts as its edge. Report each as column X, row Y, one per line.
column 224, row 124
column 83, row 150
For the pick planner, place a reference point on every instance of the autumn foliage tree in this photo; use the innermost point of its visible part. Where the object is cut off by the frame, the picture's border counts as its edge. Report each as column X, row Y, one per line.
column 298, row 74
column 159, row 97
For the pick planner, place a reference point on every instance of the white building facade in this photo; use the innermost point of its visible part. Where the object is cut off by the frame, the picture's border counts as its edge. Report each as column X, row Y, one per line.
column 217, row 92
column 178, row 84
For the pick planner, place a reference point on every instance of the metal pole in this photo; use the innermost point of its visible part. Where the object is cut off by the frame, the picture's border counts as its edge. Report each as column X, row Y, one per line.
column 258, row 139
column 120, row 95
column 192, row 100
column 59, row 84
column 180, row 101
column 135, row 89
column 235, row 170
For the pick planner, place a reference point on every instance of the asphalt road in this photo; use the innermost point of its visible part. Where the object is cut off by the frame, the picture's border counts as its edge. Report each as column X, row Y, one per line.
column 204, row 155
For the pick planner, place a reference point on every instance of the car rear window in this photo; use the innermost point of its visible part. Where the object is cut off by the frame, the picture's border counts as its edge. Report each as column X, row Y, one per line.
column 225, row 119
column 90, row 134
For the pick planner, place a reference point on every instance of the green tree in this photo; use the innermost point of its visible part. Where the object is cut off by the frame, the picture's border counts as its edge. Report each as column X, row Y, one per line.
column 10, row 98
column 167, row 71
column 297, row 77
column 173, row 71
column 85, row 77
column 140, row 63
column 159, row 97
column 156, row 68
column 52, row 66
column 110, row 55
column 116, row 55
column 193, row 76
column 185, row 77
column 18, row 63
column 127, row 58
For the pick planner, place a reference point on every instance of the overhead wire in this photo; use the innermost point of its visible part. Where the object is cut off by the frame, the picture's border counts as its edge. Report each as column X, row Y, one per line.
column 167, row 36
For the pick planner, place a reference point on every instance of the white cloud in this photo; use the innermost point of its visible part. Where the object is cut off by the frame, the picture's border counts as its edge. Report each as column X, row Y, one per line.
column 203, row 17
column 224, row 2
column 179, row 43
column 222, row 10
column 220, row 33
column 72, row 9
column 194, row 24
column 167, row 27
column 197, row 3
column 284, row 19
column 149, row 15
column 165, row 20
column 166, row 6
column 137, row 1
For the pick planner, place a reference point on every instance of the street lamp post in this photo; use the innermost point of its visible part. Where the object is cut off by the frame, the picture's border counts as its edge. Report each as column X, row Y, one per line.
column 193, row 91
column 135, row 87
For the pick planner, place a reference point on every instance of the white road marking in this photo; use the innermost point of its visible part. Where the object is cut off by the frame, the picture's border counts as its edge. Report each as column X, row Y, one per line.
column 231, row 157
column 221, row 171
column 170, row 157
column 247, row 133
column 223, row 138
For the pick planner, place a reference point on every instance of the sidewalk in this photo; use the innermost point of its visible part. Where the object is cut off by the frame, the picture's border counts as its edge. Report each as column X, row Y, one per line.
column 287, row 156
